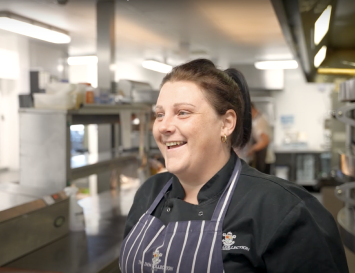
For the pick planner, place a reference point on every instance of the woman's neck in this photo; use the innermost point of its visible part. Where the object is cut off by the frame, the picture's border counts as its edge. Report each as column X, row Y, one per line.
column 193, row 182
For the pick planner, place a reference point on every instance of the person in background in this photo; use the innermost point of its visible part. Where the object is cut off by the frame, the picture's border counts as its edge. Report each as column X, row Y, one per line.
column 258, row 152
column 260, row 149
column 211, row 212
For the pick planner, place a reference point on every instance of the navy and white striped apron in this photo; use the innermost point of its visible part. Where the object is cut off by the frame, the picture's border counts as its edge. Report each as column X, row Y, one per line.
column 186, row 246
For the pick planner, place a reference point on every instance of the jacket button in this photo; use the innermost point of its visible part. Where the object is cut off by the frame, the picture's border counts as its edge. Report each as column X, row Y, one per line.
column 168, row 209
column 200, row 213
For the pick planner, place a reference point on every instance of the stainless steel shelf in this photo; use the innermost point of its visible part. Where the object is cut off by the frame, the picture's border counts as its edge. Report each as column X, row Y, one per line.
column 307, row 182
column 45, row 134
column 100, row 109
column 88, row 164
column 290, row 150
column 89, row 109
column 347, row 228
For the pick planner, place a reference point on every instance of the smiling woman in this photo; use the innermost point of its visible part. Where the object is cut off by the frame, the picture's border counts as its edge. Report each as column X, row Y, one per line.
column 184, row 116
column 211, row 212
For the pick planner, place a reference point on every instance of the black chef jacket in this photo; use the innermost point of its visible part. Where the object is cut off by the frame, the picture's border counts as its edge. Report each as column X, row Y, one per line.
column 279, row 226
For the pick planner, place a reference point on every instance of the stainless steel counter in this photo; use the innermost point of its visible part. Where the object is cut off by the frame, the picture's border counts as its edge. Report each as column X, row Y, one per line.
column 18, row 189
column 9, row 200
column 30, row 218
column 94, row 250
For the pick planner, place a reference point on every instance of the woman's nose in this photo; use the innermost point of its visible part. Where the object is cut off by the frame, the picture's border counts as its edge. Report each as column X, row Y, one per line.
column 166, row 126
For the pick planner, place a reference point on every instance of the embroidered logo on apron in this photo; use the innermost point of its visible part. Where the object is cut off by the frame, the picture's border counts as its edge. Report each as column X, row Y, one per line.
column 155, row 262
column 156, row 256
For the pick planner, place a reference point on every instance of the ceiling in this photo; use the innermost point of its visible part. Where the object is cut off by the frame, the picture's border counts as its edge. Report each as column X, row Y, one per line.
column 227, row 31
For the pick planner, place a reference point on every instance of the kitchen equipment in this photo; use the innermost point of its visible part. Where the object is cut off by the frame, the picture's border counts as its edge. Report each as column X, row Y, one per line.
column 346, row 191
column 134, row 91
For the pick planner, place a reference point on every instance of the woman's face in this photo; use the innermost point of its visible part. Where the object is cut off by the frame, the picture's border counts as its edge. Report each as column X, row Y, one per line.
column 187, row 129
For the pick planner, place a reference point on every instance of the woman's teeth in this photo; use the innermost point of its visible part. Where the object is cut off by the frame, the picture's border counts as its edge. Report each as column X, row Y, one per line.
column 175, row 143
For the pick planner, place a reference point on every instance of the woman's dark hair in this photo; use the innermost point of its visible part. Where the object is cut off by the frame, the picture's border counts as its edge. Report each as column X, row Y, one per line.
column 223, row 89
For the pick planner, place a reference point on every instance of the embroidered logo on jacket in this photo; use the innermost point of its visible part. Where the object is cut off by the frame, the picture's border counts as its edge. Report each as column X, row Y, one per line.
column 228, row 242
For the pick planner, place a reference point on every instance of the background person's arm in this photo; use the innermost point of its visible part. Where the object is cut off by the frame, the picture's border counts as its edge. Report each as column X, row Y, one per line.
column 262, row 142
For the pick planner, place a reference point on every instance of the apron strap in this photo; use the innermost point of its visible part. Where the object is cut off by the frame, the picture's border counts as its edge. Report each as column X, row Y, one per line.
column 159, row 197
column 224, row 201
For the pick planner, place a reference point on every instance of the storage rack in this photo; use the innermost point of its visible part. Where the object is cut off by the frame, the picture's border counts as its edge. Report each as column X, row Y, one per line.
column 45, row 146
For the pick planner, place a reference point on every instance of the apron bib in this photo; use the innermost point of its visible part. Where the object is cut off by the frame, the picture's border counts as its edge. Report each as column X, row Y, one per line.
column 184, row 246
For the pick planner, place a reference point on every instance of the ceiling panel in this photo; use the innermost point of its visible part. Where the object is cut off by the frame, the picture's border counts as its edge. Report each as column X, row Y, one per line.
column 235, row 31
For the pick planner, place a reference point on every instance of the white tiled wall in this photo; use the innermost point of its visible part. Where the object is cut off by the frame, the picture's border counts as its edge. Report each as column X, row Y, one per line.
column 309, row 103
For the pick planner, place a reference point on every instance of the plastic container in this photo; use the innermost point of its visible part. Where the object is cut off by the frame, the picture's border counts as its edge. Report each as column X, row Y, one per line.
column 282, row 172
column 64, row 101
column 60, row 88
column 89, row 97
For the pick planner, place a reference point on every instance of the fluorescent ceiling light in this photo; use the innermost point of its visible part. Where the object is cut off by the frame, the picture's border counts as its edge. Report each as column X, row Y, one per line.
column 336, row 71
column 320, row 56
column 321, row 26
column 157, row 66
column 77, row 127
column 9, row 64
column 30, row 28
column 289, row 64
column 82, row 60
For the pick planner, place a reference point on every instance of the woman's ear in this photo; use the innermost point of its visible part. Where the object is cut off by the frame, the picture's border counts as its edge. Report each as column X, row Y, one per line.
column 229, row 122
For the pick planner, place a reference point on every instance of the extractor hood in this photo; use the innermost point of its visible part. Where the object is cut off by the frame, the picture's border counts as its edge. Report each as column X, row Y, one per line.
column 298, row 22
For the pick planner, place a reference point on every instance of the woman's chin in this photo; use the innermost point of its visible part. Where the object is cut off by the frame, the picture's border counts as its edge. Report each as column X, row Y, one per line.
column 174, row 169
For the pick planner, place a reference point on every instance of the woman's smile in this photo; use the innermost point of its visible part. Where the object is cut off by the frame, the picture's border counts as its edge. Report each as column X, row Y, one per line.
column 174, row 144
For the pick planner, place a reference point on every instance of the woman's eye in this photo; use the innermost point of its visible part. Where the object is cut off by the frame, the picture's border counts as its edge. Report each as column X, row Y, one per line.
column 159, row 115
column 183, row 113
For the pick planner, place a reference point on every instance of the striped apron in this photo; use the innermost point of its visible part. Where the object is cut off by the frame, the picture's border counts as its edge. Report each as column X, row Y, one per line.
column 186, row 246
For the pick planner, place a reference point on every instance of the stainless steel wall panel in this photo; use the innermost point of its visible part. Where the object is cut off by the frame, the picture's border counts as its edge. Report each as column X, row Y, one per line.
column 105, row 50
column 105, row 46
column 43, row 145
